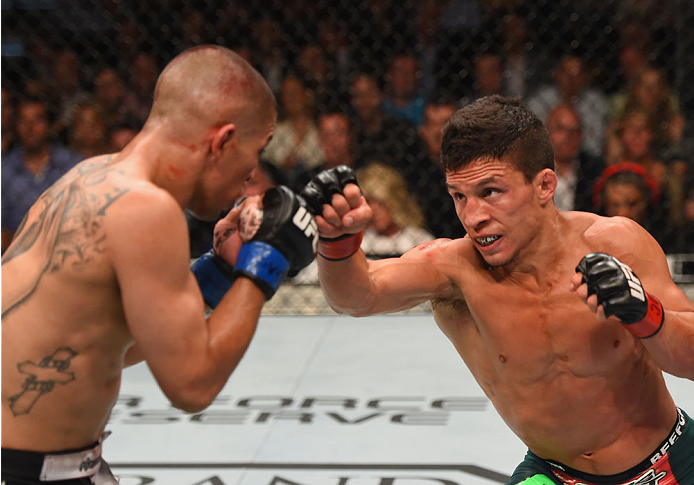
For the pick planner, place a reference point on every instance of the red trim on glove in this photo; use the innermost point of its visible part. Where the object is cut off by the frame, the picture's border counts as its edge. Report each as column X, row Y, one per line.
column 340, row 248
column 652, row 322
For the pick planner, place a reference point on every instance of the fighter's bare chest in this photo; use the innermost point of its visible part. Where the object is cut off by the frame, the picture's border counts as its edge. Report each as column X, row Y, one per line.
column 530, row 333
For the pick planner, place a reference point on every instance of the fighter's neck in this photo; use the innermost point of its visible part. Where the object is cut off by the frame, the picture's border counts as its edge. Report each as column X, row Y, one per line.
column 536, row 264
column 168, row 164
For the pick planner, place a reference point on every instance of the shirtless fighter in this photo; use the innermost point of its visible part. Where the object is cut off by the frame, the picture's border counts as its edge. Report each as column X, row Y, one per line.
column 544, row 307
column 98, row 275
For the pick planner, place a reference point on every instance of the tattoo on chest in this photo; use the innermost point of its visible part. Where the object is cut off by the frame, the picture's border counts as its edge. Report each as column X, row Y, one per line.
column 66, row 230
column 42, row 379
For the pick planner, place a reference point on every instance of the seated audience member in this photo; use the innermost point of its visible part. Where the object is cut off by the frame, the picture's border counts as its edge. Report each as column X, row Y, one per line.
column 398, row 222
column 120, row 135
column 295, row 146
column 432, row 192
column 650, row 94
column 112, row 95
column 67, row 78
column 337, row 145
column 634, row 137
column 402, row 93
column 626, row 189
column 321, row 77
column 383, row 137
column 88, row 132
column 35, row 163
column 142, row 77
column 7, row 123
column 488, row 73
column 572, row 85
column 524, row 67
column 576, row 170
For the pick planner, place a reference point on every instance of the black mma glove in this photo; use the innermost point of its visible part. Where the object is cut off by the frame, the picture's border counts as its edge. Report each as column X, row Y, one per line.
column 319, row 191
column 621, row 294
column 284, row 244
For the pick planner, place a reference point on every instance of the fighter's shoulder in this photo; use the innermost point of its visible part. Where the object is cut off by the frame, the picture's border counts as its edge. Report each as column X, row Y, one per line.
column 611, row 235
column 141, row 199
column 443, row 250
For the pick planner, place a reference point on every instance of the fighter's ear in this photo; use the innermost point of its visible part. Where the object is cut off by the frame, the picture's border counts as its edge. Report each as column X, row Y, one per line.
column 546, row 184
column 223, row 137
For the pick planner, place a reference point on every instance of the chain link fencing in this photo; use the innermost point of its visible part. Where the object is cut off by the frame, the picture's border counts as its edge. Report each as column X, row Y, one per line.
column 372, row 81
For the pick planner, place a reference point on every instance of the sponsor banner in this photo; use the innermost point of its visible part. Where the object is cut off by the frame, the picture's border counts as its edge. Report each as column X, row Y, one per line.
column 305, row 474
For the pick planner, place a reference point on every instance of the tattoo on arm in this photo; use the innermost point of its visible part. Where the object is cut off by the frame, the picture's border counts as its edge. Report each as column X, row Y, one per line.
column 41, row 379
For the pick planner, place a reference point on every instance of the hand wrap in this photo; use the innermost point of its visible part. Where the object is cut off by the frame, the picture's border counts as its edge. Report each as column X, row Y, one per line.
column 621, row 294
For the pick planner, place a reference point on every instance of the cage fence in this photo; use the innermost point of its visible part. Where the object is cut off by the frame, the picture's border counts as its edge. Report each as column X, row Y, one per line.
column 371, row 82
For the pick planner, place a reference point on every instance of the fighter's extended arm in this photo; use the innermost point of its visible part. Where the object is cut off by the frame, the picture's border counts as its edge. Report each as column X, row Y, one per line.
column 351, row 283
column 191, row 358
column 639, row 291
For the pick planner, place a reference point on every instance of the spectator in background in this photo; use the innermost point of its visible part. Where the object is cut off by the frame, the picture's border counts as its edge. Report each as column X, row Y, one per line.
column 571, row 85
column 128, row 38
column 634, row 142
column 294, row 147
column 7, row 123
column 88, row 133
column 121, row 134
column 626, row 189
column 437, row 204
column 32, row 166
column 523, row 72
column 635, row 138
column 576, row 170
column 488, row 72
column 398, row 222
column 649, row 93
column 320, row 75
column 192, row 29
column 332, row 38
column 269, row 47
column 112, row 96
column 632, row 60
column 66, row 74
column 427, row 34
column 402, row 95
column 383, row 137
column 142, row 76
column 337, row 143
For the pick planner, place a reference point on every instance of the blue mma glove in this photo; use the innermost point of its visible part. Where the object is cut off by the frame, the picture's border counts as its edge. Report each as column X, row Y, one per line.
column 284, row 244
column 215, row 276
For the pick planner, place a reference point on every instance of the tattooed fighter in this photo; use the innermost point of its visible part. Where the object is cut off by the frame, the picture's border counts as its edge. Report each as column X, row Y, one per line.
column 98, row 275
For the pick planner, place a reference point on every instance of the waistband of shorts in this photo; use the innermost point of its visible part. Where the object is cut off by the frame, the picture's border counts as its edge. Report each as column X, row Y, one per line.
column 682, row 421
column 53, row 466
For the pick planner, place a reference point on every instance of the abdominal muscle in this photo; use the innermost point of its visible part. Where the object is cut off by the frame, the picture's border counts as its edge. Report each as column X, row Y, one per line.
column 598, row 409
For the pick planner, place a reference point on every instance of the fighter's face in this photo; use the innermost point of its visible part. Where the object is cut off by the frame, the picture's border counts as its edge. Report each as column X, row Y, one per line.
column 497, row 207
column 225, row 182
column 32, row 125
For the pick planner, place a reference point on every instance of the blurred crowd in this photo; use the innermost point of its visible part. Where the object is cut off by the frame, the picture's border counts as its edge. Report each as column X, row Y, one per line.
column 370, row 85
